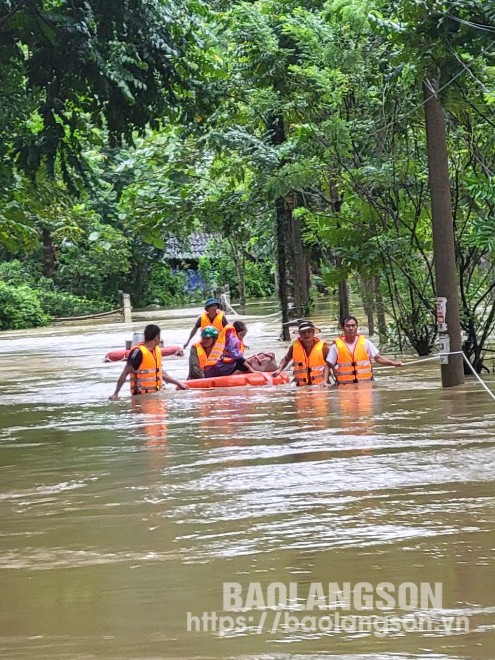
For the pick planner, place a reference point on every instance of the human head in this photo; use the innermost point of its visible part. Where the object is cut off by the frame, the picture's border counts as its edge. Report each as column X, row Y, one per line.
column 306, row 330
column 212, row 302
column 241, row 329
column 151, row 332
column 348, row 319
column 350, row 326
column 209, row 335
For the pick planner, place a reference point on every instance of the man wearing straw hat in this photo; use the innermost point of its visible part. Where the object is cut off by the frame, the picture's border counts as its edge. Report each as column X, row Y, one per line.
column 308, row 356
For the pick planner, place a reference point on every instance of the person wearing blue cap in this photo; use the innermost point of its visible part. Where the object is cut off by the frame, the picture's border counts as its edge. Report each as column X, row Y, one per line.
column 212, row 315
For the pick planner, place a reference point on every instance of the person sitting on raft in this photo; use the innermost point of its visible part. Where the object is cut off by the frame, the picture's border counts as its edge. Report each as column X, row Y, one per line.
column 227, row 355
column 212, row 315
column 145, row 366
column 201, row 351
column 308, row 356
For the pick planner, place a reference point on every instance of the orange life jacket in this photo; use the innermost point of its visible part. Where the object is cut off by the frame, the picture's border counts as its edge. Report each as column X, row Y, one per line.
column 148, row 378
column 218, row 350
column 308, row 369
column 201, row 354
column 356, row 367
column 216, row 323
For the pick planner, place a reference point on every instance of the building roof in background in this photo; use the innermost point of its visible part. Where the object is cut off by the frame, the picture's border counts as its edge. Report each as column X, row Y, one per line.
column 189, row 247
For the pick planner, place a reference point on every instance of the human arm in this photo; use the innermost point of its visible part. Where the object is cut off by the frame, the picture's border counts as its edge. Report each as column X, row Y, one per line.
column 326, row 369
column 196, row 327
column 248, row 366
column 331, row 358
column 373, row 354
column 195, row 370
column 283, row 363
column 122, row 378
column 133, row 363
column 172, row 381
column 385, row 362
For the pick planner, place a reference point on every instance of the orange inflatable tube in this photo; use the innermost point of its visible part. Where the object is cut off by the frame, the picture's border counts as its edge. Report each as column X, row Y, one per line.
column 239, row 380
column 122, row 354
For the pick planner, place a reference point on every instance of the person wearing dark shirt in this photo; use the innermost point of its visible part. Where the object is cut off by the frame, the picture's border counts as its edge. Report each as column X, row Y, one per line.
column 144, row 365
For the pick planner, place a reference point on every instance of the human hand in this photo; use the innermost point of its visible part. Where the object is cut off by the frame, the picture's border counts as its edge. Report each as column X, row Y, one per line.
column 182, row 386
column 179, row 353
column 114, row 397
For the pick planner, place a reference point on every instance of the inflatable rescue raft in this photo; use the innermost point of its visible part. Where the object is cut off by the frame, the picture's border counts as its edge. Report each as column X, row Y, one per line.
column 239, row 380
column 122, row 354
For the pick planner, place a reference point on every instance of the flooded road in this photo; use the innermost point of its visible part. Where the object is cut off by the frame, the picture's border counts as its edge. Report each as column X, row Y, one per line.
column 120, row 522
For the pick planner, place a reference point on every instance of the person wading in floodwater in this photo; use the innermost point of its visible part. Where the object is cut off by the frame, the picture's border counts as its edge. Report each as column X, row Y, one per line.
column 144, row 364
column 308, row 356
column 212, row 315
column 351, row 354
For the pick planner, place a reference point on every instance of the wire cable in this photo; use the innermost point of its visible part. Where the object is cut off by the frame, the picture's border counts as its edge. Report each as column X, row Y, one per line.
column 436, row 357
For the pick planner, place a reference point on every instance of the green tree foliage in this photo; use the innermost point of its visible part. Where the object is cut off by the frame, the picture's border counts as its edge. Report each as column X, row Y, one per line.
column 172, row 117
column 20, row 307
column 451, row 43
column 166, row 288
column 79, row 79
column 221, row 267
column 54, row 301
column 91, row 63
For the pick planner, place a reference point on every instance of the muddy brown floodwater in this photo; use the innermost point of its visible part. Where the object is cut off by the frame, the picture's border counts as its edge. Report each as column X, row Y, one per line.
column 122, row 522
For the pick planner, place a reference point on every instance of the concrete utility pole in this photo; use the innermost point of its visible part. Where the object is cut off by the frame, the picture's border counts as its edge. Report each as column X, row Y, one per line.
column 443, row 234
column 127, row 308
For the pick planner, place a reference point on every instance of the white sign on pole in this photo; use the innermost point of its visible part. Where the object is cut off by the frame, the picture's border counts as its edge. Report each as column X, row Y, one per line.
column 444, row 346
column 442, row 314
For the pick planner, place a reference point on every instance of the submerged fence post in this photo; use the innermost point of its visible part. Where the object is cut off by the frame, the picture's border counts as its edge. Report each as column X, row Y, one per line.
column 127, row 308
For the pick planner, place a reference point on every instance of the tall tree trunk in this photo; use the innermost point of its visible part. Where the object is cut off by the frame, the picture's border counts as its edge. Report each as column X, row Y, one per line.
column 343, row 293
column 283, row 231
column 343, row 300
column 368, row 303
column 380, row 310
column 283, row 292
column 48, row 253
column 335, row 205
column 242, row 280
column 443, row 229
column 300, row 267
column 239, row 261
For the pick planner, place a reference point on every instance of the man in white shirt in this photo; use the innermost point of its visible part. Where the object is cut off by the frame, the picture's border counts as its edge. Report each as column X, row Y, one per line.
column 350, row 355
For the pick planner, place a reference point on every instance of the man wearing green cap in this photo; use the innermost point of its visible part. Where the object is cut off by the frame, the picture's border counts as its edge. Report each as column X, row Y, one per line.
column 200, row 352
column 212, row 315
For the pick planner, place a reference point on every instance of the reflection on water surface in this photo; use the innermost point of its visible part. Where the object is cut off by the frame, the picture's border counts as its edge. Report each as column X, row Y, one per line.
column 117, row 519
